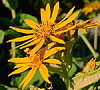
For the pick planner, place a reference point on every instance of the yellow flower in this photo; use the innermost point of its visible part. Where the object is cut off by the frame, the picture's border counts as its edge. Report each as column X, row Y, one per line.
column 81, row 26
column 48, row 28
column 91, row 65
column 36, row 62
column 90, row 7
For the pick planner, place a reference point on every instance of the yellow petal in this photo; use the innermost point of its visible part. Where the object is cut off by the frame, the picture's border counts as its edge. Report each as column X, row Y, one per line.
column 20, row 39
column 85, row 21
column 53, row 51
column 45, row 77
column 37, row 47
column 22, row 30
column 83, row 30
column 21, row 65
column 54, row 61
column 66, row 30
column 17, row 71
column 43, row 16
column 19, row 60
column 55, row 12
column 48, row 11
column 32, row 24
column 70, row 19
column 32, row 43
column 45, row 70
column 53, row 38
column 22, row 44
column 68, row 14
column 29, row 77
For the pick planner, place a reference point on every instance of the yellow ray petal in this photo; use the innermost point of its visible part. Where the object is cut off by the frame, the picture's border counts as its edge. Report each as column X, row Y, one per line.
column 17, row 71
column 20, row 39
column 83, row 30
column 45, row 70
column 37, row 47
column 29, row 77
column 55, row 12
column 68, row 14
column 85, row 21
column 22, row 44
column 53, row 38
column 21, row 65
column 32, row 43
column 53, row 51
column 32, row 24
column 43, row 16
column 19, row 60
column 54, row 61
column 48, row 11
column 22, row 30
column 45, row 77
column 70, row 19
column 66, row 30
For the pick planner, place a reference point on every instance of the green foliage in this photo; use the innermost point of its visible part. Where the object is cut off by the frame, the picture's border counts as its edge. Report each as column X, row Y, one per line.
column 10, row 4
column 1, row 36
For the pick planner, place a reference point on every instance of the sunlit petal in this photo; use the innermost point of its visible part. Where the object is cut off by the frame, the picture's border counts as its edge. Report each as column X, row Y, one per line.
column 45, row 77
column 70, row 19
column 32, row 43
column 68, row 14
column 37, row 47
column 55, row 12
column 22, row 30
column 19, row 70
column 48, row 11
column 53, row 51
column 45, row 70
column 54, row 61
column 20, row 39
column 19, row 60
column 53, row 38
column 31, row 23
column 83, row 30
column 29, row 77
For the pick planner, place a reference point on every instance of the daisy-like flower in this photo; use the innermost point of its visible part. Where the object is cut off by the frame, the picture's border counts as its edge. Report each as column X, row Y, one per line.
column 91, row 65
column 35, row 62
column 81, row 26
column 90, row 7
column 48, row 28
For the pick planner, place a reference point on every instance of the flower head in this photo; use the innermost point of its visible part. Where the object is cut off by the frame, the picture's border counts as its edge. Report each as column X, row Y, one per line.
column 37, row 61
column 91, row 65
column 46, row 29
column 90, row 7
column 81, row 26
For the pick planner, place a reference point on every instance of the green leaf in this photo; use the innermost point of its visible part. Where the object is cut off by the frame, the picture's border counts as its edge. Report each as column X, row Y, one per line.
column 1, row 36
column 37, row 80
column 10, row 4
column 72, row 71
column 82, row 80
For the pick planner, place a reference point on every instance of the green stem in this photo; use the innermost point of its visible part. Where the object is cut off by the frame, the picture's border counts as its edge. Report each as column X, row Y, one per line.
column 13, row 52
column 13, row 13
column 95, row 38
column 95, row 54
column 67, row 63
